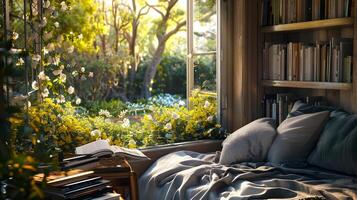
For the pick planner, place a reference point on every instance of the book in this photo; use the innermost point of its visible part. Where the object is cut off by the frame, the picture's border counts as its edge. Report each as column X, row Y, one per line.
column 347, row 69
column 305, row 61
column 107, row 196
column 79, row 191
column 284, row 99
column 274, row 12
column 102, row 147
column 61, row 178
column 82, row 163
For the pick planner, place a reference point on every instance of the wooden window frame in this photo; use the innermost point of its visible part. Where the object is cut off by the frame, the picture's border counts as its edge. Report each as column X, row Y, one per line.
column 191, row 54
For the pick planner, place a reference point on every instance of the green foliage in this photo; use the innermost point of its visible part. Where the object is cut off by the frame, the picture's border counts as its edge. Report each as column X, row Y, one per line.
column 115, row 107
column 19, row 171
column 54, row 127
column 51, row 127
column 171, row 76
column 177, row 124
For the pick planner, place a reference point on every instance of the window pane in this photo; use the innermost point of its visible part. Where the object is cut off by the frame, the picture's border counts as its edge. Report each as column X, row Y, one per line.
column 204, row 25
column 205, row 72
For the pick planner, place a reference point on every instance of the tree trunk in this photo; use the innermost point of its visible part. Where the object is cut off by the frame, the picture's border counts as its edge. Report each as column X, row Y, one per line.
column 151, row 70
column 133, row 62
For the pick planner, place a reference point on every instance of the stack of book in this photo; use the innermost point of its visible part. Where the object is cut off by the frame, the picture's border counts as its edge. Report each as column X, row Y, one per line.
column 278, row 106
column 77, row 184
column 320, row 61
column 291, row 11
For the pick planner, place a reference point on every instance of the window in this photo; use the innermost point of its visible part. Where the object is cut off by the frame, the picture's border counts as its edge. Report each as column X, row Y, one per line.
column 118, row 70
column 202, row 40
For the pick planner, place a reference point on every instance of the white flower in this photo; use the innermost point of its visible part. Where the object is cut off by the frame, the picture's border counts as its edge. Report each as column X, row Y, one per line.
column 207, row 104
column 56, row 60
column 74, row 73
column 105, row 113
column 42, row 76
column 175, row 115
column 43, row 22
column 83, row 69
column 36, row 58
column 116, row 82
column 132, row 142
column 61, row 99
column 80, row 36
column 96, row 133
column 63, row 78
column 20, row 61
column 168, row 126
column 45, row 93
column 181, row 103
column 168, row 136
column 14, row 36
column 34, row 9
column 35, row 85
column 47, row 4
column 57, row 72
column 56, row 24
column 70, row 90
column 78, row 100
column 61, row 67
column 91, row 74
column 150, row 117
column 210, row 118
column 70, row 49
column 63, row 6
column 45, row 51
column 28, row 104
column 126, row 123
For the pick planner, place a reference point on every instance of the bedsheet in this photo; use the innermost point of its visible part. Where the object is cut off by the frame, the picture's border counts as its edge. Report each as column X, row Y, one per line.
column 190, row 175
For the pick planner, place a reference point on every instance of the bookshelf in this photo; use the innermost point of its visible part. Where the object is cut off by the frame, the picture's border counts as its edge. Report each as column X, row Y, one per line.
column 309, row 25
column 312, row 34
column 307, row 85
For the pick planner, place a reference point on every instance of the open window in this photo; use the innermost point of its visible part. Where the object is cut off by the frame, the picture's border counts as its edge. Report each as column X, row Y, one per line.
column 203, row 70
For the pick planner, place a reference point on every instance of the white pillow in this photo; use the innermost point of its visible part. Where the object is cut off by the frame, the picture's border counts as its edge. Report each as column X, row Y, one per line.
column 250, row 143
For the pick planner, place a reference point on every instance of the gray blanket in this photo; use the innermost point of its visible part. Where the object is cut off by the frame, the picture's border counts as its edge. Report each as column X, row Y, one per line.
column 190, row 175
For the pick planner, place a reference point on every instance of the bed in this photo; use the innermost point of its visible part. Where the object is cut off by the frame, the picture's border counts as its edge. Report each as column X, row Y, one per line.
column 311, row 155
column 191, row 175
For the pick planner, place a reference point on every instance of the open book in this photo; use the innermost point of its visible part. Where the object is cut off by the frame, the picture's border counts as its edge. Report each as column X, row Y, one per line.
column 102, row 147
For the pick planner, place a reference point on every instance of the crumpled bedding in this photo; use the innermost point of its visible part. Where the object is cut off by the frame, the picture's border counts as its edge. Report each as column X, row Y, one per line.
column 190, row 175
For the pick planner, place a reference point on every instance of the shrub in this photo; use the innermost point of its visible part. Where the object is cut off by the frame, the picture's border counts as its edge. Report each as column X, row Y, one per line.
column 115, row 107
column 51, row 127
column 177, row 124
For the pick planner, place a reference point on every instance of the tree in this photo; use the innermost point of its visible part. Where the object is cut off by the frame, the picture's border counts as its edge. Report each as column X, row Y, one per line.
column 171, row 21
column 131, row 37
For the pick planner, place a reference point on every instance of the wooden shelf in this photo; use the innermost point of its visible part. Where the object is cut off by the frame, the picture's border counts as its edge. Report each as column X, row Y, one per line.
column 317, row 24
column 308, row 85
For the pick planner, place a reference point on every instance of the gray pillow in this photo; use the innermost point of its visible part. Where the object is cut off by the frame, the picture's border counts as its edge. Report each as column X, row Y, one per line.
column 337, row 147
column 297, row 136
column 249, row 143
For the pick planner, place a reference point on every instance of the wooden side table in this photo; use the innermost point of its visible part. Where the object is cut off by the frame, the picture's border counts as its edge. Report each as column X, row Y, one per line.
column 119, row 172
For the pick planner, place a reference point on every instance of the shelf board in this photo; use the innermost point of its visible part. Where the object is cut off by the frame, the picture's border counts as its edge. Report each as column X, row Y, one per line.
column 308, row 85
column 317, row 24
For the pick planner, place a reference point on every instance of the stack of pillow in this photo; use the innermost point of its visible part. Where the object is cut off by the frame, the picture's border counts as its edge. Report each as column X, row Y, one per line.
column 321, row 136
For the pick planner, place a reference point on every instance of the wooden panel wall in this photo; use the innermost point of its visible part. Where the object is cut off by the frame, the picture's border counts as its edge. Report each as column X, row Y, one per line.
column 245, row 90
